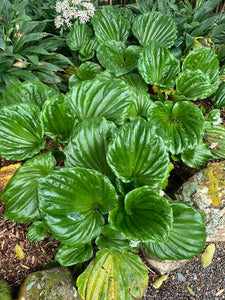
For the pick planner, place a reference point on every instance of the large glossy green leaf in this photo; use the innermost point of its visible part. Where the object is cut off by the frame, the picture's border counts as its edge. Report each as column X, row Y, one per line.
column 198, row 157
column 187, row 237
column 146, row 216
column 74, row 254
column 21, row 132
column 134, row 80
column 179, row 124
column 21, row 193
column 77, row 37
column 142, row 104
column 110, row 25
column 88, row 70
column 135, row 153
column 88, row 49
column 203, row 59
column 57, row 120
column 118, row 59
column 113, row 275
column 219, row 97
column 110, row 99
column 158, row 66
column 88, row 145
column 154, row 26
column 112, row 239
column 37, row 232
column 193, row 85
column 214, row 137
column 26, row 92
column 71, row 200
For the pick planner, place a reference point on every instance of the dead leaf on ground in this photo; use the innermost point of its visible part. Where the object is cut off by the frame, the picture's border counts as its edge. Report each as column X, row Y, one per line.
column 158, row 282
column 19, row 252
column 207, row 256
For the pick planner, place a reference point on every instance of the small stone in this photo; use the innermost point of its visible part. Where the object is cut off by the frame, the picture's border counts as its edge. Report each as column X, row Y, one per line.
column 162, row 267
column 180, row 277
column 206, row 191
column 195, row 277
column 56, row 283
column 4, row 290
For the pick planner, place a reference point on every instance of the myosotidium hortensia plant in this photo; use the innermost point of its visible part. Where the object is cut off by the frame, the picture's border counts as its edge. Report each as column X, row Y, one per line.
column 97, row 191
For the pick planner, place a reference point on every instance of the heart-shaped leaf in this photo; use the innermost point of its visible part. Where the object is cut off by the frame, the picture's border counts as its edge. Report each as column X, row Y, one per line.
column 109, row 25
column 88, row 70
column 146, row 216
column 203, row 59
column 118, row 59
column 37, row 232
column 134, row 80
column 198, row 157
column 135, row 153
column 21, row 132
column 70, row 201
column 193, row 85
column 72, row 255
column 56, row 117
column 27, row 92
column 21, row 193
column 112, row 239
column 219, row 97
column 142, row 104
column 88, row 145
column 180, row 125
column 113, row 275
column 110, row 99
column 187, row 237
column 77, row 37
column 88, row 49
column 158, row 66
column 154, row 26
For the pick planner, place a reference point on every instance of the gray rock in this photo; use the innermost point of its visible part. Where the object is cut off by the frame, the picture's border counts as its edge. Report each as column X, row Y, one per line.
column 162, row 267
column 206, row 191
column 50, row 284
column 4, row 290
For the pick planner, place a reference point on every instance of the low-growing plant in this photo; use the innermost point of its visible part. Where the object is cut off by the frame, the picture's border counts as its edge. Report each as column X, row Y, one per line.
column 98, row 193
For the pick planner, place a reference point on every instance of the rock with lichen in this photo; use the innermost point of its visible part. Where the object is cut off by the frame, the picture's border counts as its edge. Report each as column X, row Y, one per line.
column 206, row 191
column 4, row 290
column 56, row 283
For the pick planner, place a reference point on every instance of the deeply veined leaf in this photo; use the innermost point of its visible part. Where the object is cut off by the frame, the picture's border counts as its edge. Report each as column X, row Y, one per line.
column 198, row 157
column 112, row 239
column 72, row 255
column 88, row 49
column 146, row 216
column 21, row 193
column 180, row 125
column 88, row 70
column 203, row 59
column 110, row 25
column 219, row 97
column 57, row 120
column 70, row 201
column 134, row 80
column 118, row 59
column 27, row 92
column 37, row 232
column 187, row 237
column 21, row 132
column 193, row 85
column 158, row 66
column 214, row 137
column 136, row 154
column 154, row 26
column 88, row 145
column 77, row 37
column 113, row 275
column 110, row 99
column 142, row 104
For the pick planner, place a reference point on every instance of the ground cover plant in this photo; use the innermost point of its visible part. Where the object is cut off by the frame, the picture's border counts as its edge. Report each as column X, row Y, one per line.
column 129, row 113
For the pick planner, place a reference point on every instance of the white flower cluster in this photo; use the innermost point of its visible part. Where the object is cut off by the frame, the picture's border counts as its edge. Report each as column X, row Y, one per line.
column 73, row 9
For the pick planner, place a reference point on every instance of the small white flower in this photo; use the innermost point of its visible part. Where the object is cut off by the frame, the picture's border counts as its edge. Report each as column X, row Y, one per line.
column 59, row 21
column 134, row 244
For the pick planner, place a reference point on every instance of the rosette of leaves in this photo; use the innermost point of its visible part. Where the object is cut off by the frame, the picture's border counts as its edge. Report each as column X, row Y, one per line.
column 179, row 124
column 154, row 26
column 158, row 66
column 200, row 75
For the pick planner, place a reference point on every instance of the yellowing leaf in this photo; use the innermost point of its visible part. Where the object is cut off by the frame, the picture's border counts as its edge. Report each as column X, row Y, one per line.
column 158, row 282
column 191, row 292
column 19, row 251
column 6, row 173
column 207, row 256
